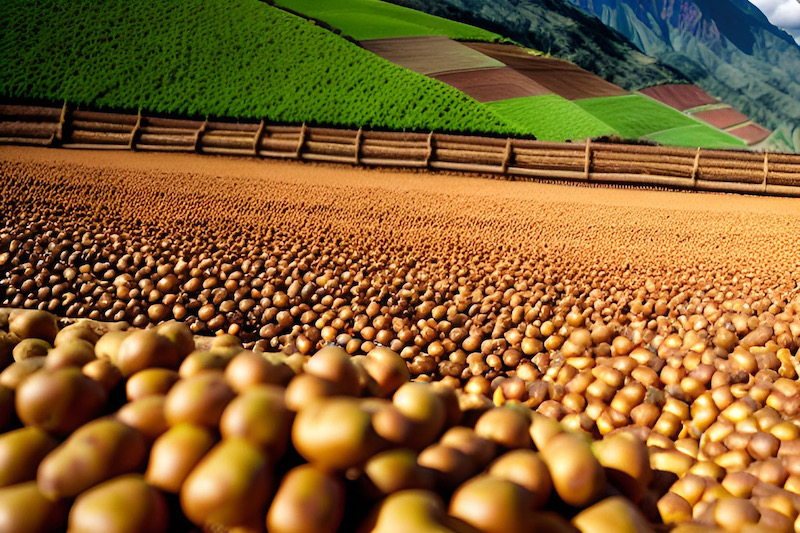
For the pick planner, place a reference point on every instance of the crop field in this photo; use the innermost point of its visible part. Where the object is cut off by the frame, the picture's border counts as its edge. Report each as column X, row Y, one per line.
column 681, row 97
column 241, row 59
column 636, row 116
column 492, row 84
column 750, row 133
column 721, row 118
column 374, row 19
column 552, row 117
column 579, row 356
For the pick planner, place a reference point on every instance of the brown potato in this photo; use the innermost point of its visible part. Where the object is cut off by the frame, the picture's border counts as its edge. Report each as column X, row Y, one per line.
column 40, row 513
column 27, row 324
column 527, row 469
column 260, row 416
column 309, row 500
column 150, row 382
column 394, row 470
column 125, row 504
column 200, row 399
column 612, row 515
column 21, row 451
column 229, row 487
column 145, row 415
column 98, row 451
column 146, row 349
column 423, row 406
column 578, row 476
column 175, row 453
column 59, row 401
column 492, row 504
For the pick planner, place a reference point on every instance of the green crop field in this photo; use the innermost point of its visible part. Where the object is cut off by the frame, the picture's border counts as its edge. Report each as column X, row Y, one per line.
column 636, row 116
column 551, row 118
column 222, row 58
column 373, row 19
column 697, row 135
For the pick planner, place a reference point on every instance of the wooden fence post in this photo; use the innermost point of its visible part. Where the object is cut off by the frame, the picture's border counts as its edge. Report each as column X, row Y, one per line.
column 257, row 138
column 588, row 161
column 696, row 168
column 300, row 141
column 766, row 169
column 357, row 154
column 429, row 155
column 199, row 134
column 135, row 132
column 507, row 156
column 62, row 125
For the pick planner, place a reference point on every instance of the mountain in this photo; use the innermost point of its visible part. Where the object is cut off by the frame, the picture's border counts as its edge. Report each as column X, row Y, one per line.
column 727, row 47
column 562, row 30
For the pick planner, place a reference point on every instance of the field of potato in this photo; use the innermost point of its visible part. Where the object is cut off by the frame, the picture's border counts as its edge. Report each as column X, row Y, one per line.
column 581, row 358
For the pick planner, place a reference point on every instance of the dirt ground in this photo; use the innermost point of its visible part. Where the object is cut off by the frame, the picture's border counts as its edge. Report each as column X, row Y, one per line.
column 631, row 235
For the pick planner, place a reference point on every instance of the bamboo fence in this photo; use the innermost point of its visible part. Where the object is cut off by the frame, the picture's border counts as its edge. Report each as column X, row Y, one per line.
column 593, row 162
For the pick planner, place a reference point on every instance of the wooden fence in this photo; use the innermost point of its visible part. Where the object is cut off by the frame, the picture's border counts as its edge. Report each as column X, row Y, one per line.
column 715, row 170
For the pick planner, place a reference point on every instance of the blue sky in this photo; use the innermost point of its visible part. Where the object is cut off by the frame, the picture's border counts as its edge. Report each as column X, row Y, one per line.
column 784, row 14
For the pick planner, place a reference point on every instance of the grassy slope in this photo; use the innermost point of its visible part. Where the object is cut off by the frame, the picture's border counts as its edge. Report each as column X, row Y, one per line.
column 636, row 116
column 552, row 117
column 373, row 19
column 227, row 58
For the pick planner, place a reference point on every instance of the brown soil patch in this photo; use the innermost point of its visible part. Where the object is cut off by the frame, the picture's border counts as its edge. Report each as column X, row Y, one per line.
column 751, row 134
column 681, row 97
column 492, row 84
column 561, row 77
column 721, row 118
column 430, row 54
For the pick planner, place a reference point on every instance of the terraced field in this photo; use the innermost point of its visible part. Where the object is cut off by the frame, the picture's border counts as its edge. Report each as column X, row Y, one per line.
column 636, row 116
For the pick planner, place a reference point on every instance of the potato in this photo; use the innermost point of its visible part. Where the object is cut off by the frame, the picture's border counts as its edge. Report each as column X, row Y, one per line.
column 59, row 401
column 146, row 349
column 77, row 352
column 260, row 416
column 526, row 469
column 335, row 433
column 578, row 476
column 333, row 364
column 506, row 426
column 30, row 348
column 247, row 369
column 27, row 324
column 14, row 374
column 175, row 453
column 21, row 451
column 145, row 415
column 309, row 500
column 395, row 470
column 410, row 510
column 423, row 406
column 388, row 371
column 492, row 504
column 612, row 515
column 24, row 509
column 150, row 382
column 229, row 487
column 200, row 399
column 98, row 451
column 626, row 462
column 125, row 504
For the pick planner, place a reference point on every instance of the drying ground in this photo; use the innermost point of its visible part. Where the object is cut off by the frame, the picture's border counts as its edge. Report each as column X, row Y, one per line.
column 664, row 323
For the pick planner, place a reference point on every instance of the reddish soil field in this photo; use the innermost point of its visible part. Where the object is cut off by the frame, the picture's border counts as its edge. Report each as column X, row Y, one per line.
column 560, row 77
column 492, row 84
column 681, row 97
column 751, row 134
column 429, row 54
column 721, row 118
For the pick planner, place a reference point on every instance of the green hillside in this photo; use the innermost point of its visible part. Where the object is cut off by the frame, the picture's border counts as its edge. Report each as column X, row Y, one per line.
column 224, row 58
column 374, row 19
column 635, row 116
column 552, row 117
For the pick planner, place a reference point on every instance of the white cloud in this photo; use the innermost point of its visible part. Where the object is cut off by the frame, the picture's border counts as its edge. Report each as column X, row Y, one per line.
column 784, row 14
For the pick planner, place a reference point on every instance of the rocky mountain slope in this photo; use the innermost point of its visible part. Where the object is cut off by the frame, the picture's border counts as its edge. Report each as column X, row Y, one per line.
column 559, row 28
column 727, row 47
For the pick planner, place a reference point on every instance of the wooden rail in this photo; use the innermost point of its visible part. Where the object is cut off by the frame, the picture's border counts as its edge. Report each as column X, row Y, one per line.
column 589, row 161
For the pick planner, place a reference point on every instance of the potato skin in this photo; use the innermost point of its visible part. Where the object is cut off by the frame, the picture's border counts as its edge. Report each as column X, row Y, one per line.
column 175, row 453
column 577, row 475
column 98, row 451
column 59, row 401
column 309, row 500
column 21, row 451
column 40, row 513
column 229, row 487
column 125, row 504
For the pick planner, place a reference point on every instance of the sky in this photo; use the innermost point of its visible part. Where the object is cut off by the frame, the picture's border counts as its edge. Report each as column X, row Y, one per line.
column 784, row 14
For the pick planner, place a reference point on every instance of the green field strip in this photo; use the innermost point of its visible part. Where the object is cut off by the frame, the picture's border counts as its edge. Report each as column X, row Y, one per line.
column 373, row 19
column 635, row 115
column 551, row 118
column 231, row 58
column 697, row 135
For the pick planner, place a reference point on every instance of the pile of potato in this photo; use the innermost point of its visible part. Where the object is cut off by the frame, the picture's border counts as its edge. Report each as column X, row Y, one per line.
column 112, row 429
